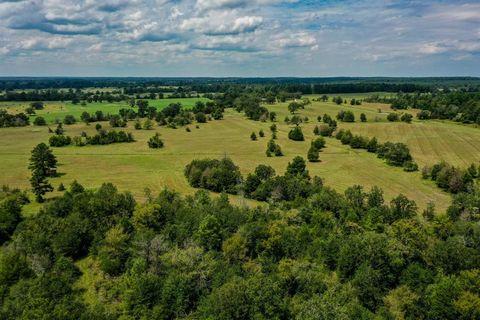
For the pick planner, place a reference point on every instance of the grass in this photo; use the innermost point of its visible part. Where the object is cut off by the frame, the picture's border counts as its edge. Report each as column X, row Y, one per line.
column 134, row 167
column 54, row 111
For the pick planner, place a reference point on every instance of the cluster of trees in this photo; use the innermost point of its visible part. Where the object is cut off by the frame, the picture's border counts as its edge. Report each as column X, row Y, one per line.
column 405, row 117
column 102, row 137
column 458, row 105
column 313, row 253
column 328, row 128
column 212, row 174
column 13, row 120
column 346, row 116
column 451, row 178
column 395, row 154
column 273, row 148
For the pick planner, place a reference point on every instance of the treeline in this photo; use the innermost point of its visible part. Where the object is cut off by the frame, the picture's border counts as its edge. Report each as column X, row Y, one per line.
column 102, row 137
column 204, row 82
column 324, row 255
column 458, row 105
column 395, row 154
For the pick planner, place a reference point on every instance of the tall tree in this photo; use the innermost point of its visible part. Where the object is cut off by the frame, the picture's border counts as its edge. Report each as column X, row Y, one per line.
column 42, row 164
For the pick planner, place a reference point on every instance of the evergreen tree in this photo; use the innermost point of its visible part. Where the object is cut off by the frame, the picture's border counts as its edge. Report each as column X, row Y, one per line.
column 42, row 164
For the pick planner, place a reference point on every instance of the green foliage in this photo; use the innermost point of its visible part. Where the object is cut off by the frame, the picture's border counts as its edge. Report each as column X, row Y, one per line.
column 346, row 116
column 40, row 121
column 43, row 165
column 296, row 134
column 59, row 140
column 273, row 149
column 216, row 175
column 155, row 142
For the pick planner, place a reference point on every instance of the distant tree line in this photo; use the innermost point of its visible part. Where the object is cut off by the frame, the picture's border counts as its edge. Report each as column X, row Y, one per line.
column 459, row 106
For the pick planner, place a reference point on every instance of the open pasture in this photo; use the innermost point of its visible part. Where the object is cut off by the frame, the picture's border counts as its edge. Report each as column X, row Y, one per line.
column 133, row 166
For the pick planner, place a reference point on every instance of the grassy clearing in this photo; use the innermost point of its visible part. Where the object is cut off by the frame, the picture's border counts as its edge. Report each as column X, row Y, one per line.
column 58, row 110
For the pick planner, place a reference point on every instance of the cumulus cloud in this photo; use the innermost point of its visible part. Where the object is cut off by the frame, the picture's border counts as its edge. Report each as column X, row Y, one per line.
column 222, row 23
column 365, row 34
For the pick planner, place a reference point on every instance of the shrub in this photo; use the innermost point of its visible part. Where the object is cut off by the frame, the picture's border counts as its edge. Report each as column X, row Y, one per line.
column 346, row 116
column 273, row 149
column 312, row 154
column 392, row 117
column 261, row 134
column 296, row 134
column 410, row 166
column 253, row 136
column 406, row 117
column 155, row 142
column 59, row 141
column 318, row 143
column 69, row 119
column 39, row 121
column 200, row 117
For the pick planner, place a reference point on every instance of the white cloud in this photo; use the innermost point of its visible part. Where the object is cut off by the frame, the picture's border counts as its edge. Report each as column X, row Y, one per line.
column 222, row 23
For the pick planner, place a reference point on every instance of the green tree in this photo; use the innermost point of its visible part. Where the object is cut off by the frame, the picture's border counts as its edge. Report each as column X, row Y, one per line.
column 42, row 164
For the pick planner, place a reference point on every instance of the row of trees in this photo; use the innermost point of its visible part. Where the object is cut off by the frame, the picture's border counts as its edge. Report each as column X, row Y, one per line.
column 102, row 137
column 396, row 154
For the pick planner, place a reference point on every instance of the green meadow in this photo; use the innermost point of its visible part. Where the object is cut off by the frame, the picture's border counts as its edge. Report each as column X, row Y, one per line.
column 134, row 167
column 54, row 111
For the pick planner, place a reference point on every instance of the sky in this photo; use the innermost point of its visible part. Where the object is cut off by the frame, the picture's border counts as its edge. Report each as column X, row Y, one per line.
column 241, row 38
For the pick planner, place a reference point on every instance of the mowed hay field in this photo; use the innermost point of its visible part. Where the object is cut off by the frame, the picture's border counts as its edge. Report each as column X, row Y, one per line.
column 134, row 167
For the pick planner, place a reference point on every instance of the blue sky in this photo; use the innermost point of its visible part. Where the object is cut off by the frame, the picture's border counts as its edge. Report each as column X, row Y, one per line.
column 239, row 38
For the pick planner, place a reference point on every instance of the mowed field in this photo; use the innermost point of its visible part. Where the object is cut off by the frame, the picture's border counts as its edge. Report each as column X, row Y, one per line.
column 134, row 167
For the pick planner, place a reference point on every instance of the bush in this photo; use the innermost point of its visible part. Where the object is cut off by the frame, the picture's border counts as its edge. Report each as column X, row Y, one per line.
column 200, row 117
column 406, row 117
column 273, row 149
column 59, row 141
column 346, row 116
column 363, row 117
column 296, row 134
column 318, row 143
column 155, row 142
column 261, row 134
column 37, row 105
column 410, row 166
column 69, row 119
column 39, row 121
column 253, row 136
column 392, row 117
column 312, row 154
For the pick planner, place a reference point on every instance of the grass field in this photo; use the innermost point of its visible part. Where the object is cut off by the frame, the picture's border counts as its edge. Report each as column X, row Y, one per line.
column 58, row 110
column 133, row 166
